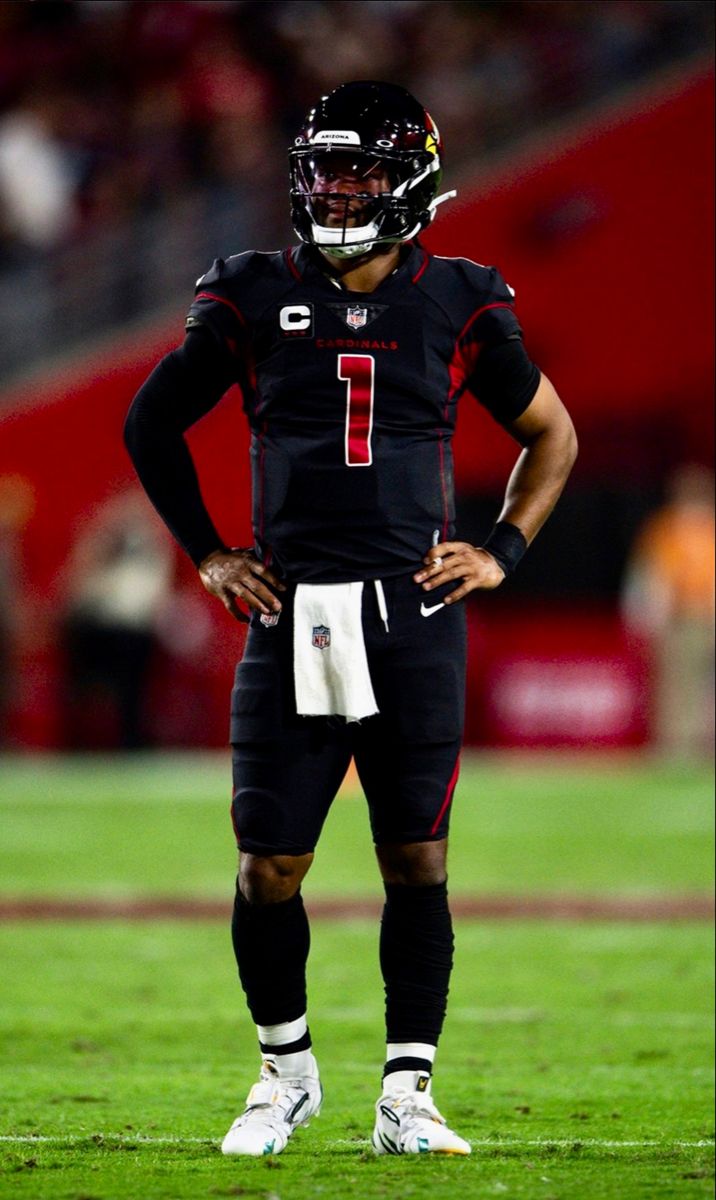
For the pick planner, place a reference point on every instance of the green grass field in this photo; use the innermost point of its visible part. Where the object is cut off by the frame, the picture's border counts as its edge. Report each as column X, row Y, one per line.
column 577, row 1056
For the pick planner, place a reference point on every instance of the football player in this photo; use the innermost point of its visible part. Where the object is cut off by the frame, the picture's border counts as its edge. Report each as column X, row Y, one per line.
column 352, row 351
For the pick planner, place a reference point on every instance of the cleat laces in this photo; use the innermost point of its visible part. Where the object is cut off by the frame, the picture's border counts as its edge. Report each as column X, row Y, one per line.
column 418, row 1106
column 273, row 1099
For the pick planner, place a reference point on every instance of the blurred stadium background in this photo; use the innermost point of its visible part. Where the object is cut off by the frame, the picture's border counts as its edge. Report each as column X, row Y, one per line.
column 138, row 141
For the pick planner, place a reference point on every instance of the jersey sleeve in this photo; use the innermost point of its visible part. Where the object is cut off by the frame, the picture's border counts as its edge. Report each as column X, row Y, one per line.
column 182, row 388
column 497, row 368
column 493, row 318
column 215, row 307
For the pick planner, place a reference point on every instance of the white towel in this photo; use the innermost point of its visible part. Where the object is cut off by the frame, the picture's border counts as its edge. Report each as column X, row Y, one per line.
column 330, row 665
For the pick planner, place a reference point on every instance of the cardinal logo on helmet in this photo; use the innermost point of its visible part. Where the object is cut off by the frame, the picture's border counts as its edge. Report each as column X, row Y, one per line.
column 432, row 141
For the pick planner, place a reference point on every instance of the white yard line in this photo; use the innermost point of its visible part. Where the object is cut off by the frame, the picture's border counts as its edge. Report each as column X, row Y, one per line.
column 507, row 1143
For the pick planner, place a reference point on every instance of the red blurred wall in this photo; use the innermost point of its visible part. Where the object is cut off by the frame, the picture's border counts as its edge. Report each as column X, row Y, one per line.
column 607, row 237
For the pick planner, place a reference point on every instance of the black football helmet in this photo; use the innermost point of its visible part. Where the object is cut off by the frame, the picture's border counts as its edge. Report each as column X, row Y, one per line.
column 365, row 130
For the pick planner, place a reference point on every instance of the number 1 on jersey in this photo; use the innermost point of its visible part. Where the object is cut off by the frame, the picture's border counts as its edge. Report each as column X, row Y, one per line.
column 358, row 371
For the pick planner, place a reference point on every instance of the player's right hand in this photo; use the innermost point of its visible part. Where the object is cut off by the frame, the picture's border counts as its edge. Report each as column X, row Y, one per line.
column 233, row 575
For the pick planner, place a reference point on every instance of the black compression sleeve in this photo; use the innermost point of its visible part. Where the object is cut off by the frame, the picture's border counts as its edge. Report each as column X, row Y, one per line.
column 505, row 379
column 183, row 387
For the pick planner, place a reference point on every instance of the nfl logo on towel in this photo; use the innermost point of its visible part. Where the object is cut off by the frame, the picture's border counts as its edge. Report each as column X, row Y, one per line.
column 356, row 317
column 321, row 637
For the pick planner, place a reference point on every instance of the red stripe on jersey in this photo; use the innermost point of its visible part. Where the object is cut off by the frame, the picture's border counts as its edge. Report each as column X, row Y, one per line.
column 448, row 797
column 222, row 300
column 291, row 264
column 464, row 358
column 422, row 266
column 461, row 366
column 247, row 355
column 478, row 313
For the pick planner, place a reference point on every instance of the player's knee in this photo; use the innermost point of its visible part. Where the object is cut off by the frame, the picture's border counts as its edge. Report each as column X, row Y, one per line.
column 269, row 879
column 418, row 864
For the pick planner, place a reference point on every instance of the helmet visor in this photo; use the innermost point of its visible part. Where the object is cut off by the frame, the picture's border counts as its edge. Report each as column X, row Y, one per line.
column 331, row 170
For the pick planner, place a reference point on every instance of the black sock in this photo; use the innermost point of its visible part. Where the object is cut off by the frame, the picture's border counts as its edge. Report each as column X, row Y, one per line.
column 271, row 943
column 416, row 951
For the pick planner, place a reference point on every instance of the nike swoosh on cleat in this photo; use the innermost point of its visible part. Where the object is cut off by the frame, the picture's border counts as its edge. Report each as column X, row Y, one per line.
column 428, row 612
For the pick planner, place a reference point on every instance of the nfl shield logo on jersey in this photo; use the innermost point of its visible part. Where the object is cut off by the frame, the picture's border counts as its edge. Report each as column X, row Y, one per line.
column 356, row 317
column 321, row 637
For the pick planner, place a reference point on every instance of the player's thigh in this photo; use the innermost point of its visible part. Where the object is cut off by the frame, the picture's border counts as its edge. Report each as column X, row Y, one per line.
column 409, row 787
column 286, row 769
column 407, row 757
column 283, row 788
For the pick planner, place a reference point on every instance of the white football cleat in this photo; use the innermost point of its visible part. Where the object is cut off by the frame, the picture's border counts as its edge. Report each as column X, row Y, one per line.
column 274, row 1108
column 407, row 1122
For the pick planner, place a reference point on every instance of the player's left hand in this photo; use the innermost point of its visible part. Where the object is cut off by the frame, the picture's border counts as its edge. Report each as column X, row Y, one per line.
column 473, row 566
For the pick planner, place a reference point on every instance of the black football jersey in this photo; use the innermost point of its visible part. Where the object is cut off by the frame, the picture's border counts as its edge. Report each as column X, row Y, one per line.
column 352, row 399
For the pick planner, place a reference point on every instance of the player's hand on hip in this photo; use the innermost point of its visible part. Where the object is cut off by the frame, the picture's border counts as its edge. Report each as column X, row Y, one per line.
column 233, row 575
column 470, row 565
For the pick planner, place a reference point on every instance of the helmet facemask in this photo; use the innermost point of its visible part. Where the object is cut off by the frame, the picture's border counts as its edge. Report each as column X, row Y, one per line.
column 337, row 207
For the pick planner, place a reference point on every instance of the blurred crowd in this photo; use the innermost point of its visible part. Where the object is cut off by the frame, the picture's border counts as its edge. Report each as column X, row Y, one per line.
column 112, row 109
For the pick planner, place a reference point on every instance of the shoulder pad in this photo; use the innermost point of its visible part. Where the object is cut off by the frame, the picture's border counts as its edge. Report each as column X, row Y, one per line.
column 481, row 278
column 225, row 270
